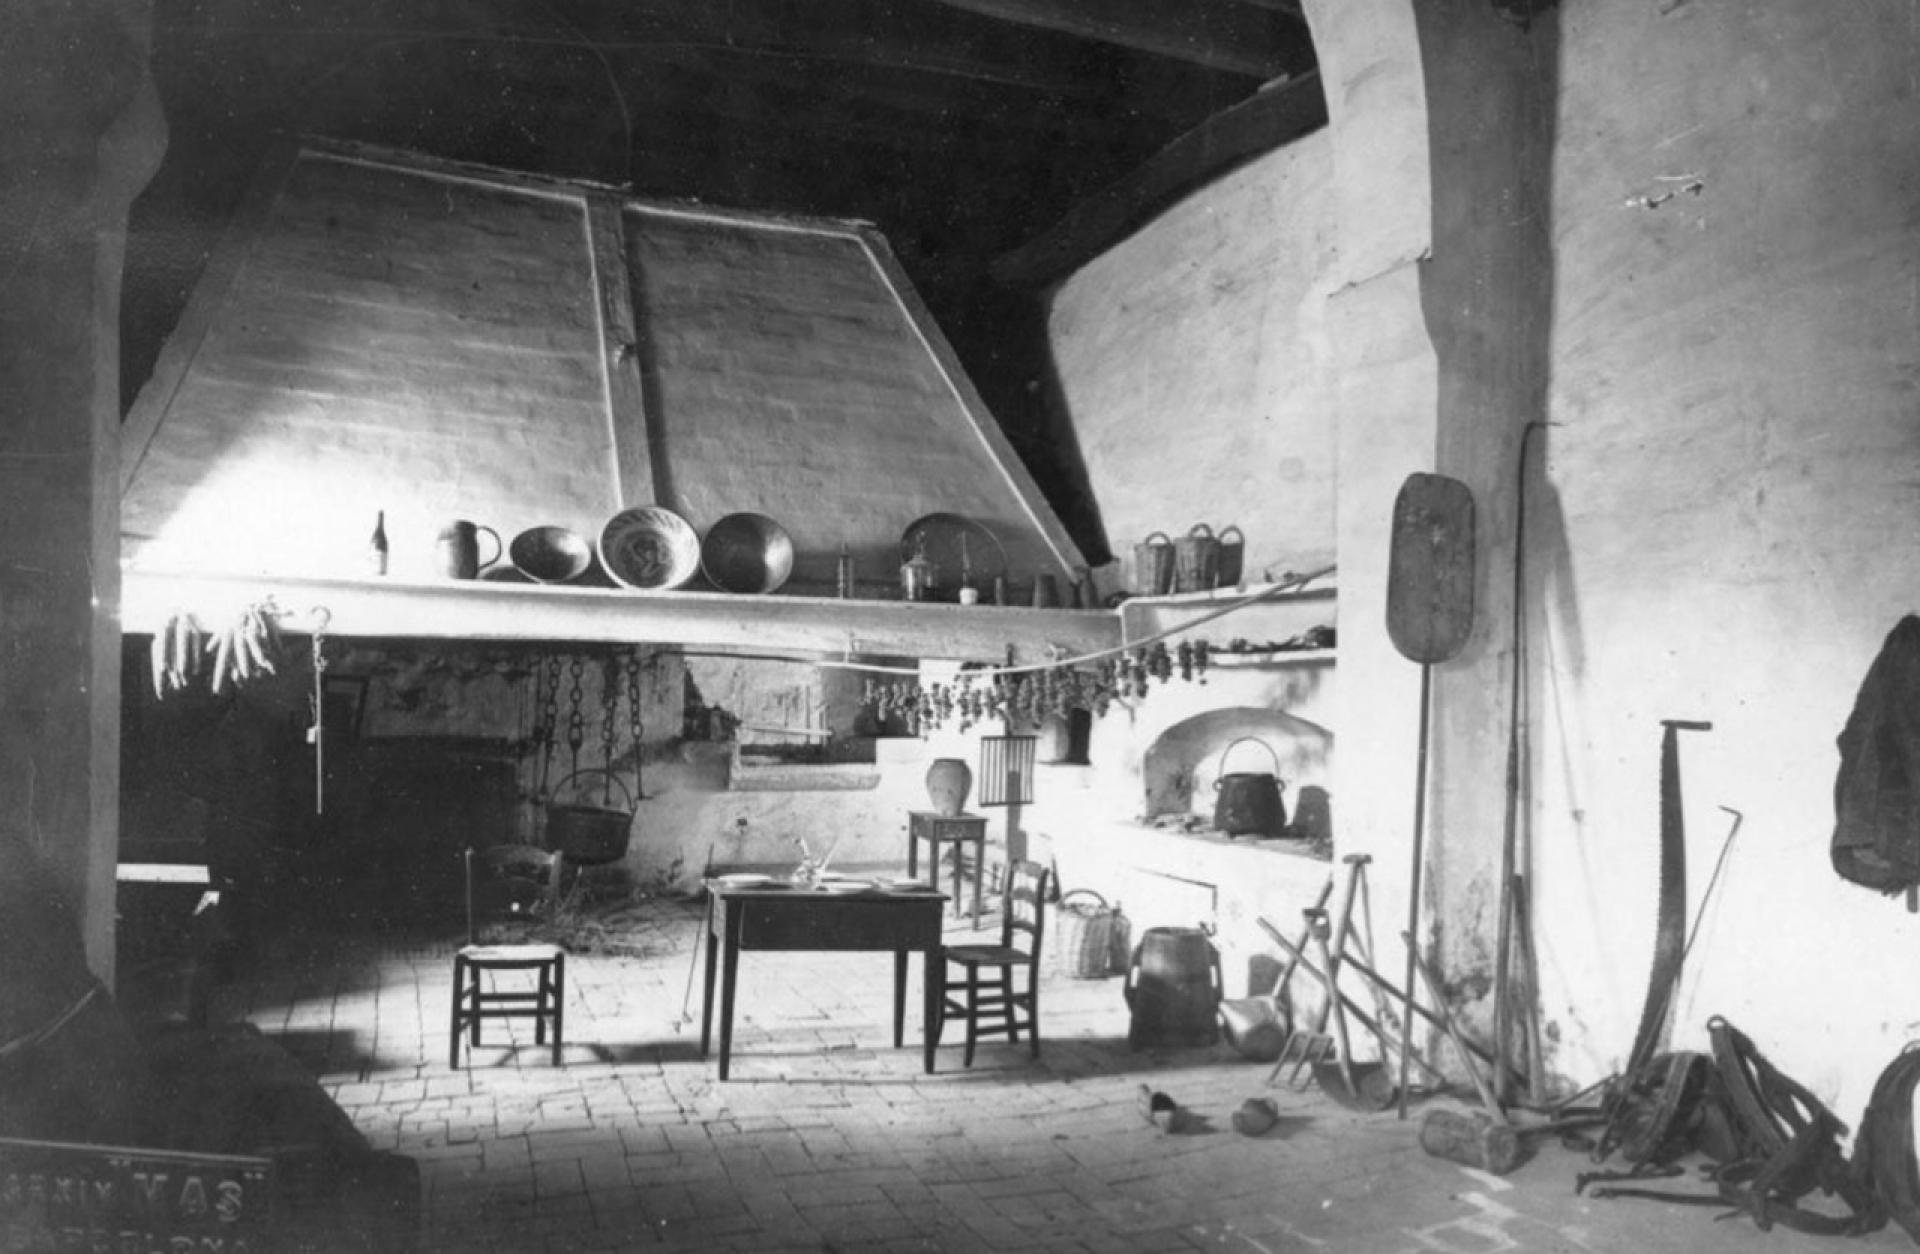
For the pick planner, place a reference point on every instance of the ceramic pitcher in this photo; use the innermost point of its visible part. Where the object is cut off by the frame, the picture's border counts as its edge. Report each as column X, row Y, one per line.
column 457, row 551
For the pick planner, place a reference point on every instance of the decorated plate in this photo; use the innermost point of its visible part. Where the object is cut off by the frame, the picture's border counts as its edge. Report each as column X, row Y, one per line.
column 649, row 548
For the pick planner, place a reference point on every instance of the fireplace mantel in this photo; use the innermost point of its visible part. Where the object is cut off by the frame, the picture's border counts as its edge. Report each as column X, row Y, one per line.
column 476, row 610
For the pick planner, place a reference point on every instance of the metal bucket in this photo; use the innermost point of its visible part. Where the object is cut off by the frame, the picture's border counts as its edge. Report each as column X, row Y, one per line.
column 1153, row 566
column 1196, row 560
column 1249, row 803
column 589, row 835
column 1255, row 1026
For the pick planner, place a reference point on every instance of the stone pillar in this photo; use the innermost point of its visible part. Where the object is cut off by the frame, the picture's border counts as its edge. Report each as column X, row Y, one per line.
column 81, row 132
column 1387, row 389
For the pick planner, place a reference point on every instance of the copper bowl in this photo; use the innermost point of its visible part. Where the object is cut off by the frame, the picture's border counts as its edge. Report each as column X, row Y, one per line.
column 747, row 553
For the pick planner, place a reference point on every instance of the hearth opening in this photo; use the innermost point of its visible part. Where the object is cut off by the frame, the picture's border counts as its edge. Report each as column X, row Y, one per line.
column 1185, row 766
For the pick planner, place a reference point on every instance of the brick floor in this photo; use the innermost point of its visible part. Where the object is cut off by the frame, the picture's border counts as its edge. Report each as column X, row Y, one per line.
column 827, row 1139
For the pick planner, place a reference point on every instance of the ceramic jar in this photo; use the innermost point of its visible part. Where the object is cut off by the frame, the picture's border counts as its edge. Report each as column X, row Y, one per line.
column 949, row 781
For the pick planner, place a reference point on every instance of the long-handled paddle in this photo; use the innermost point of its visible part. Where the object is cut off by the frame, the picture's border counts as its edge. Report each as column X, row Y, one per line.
column 1429, row 614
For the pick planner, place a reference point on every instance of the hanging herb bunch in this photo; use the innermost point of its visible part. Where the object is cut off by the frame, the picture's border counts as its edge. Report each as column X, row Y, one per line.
column 1030, row 696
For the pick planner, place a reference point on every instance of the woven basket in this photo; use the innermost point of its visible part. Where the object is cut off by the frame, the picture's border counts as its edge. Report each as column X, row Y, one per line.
column 1086, row 934
column 1196, row 560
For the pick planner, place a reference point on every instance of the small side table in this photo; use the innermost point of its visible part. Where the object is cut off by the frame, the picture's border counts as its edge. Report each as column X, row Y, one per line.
column 955, row 829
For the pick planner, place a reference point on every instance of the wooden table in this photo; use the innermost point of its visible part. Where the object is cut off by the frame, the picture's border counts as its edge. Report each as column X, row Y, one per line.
column 778, row 916
column 954, row 829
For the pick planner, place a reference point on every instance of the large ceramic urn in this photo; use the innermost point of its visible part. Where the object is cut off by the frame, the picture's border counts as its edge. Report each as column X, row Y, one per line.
column 949, row 780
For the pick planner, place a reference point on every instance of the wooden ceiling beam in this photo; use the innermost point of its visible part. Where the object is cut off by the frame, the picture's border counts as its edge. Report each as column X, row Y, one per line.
column 830, row 33
column 839, row 35
column 792, row 87
column 1275, row 116
column 1292, row 8
column 1219, row 36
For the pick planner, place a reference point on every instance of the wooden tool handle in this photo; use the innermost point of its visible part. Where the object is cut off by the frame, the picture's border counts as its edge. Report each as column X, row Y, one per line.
column 1467, row 1060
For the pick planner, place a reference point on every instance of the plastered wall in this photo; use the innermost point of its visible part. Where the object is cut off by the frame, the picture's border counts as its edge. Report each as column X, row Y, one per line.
column 1194, row 363
column 1727, row 499
column 1682, row 236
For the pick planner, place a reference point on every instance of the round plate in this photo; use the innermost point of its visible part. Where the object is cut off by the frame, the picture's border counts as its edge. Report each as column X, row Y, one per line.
column 955, row 544
column 743, row 880
column 747, row 553
column 650, row 548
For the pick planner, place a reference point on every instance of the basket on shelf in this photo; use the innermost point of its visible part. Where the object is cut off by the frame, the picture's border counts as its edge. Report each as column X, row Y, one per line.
column 1086, row 934
column 1153, row 566
column 1196, row 560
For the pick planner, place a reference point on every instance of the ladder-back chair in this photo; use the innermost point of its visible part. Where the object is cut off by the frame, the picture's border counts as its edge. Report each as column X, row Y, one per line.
column 508, row 888
column 996, row 988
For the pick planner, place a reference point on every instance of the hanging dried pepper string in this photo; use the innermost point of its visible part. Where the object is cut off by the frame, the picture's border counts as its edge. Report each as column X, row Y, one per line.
column 1035, row 689
column 1291, row 583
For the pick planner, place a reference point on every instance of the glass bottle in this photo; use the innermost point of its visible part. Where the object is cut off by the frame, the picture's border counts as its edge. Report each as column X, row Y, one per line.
column 968, row 594
column 377, row 546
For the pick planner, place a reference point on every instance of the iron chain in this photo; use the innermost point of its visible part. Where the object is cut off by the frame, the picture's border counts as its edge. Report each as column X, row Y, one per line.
column 634, row 727
column 610, row 708
column 576, row 723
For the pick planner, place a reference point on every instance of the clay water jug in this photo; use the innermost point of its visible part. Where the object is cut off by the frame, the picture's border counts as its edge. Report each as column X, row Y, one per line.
column 949, row 780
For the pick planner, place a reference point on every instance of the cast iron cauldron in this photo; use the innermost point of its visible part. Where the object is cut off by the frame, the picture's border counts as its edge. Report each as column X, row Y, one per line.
column 1248, row 803
column 589, row 835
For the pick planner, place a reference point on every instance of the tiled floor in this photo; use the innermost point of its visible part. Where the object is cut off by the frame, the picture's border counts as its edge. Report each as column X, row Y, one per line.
column 827, row 1139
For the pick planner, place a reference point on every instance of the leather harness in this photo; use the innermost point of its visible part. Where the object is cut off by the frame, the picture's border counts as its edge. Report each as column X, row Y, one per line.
column 1786, row 1144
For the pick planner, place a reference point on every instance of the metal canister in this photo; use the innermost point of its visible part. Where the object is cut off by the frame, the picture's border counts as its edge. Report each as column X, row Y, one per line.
column 918, row 575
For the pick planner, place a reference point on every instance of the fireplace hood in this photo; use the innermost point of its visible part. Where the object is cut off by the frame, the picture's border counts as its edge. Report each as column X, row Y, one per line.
column 382, row 333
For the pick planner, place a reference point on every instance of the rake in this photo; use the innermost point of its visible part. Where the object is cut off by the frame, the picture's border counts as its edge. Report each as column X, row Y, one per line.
column 1304, row 1049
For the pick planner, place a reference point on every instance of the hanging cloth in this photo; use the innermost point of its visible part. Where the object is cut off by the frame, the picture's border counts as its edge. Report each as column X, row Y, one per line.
column 1876, row 832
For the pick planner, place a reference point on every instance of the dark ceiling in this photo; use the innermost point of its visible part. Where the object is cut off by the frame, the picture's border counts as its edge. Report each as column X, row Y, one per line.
column 997, row 144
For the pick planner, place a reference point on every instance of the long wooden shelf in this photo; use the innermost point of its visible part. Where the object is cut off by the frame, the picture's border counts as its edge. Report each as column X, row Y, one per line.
column 389, row 608
column 1257, row 612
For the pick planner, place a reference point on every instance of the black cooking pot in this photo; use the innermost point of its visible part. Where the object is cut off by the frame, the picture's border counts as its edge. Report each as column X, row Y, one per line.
column 1248, row 803
column 590, row 835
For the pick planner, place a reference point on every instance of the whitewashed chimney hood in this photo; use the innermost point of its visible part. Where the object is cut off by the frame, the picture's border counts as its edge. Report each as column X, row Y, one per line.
column 383, row 332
